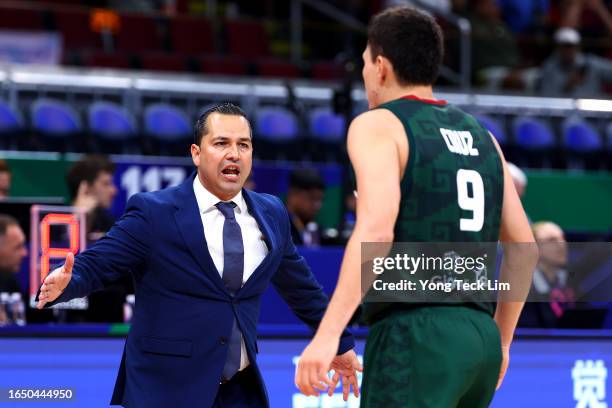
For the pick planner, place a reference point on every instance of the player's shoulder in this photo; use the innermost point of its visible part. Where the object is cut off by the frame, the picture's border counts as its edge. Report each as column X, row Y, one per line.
column 375, row 123
column 375, row 117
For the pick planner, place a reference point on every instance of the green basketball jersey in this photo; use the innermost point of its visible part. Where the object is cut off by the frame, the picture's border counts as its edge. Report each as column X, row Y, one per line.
column 452, row 188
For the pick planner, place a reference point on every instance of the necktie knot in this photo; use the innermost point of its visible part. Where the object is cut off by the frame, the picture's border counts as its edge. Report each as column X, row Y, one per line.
column 227, row 208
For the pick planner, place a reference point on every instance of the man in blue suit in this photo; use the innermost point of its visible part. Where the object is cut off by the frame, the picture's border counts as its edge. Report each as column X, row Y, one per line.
column 201, row 255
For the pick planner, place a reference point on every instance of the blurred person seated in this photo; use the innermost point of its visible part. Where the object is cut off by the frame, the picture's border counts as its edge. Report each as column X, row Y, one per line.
column 91, row 187
column 495, row 56
column 551, row 291
column 12, row 251
column 5, row 179
column 304, row 201
column 90, row 183
column 570, row 72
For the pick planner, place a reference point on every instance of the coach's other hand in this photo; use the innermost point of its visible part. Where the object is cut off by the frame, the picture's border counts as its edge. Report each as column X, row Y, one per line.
column 56, row 282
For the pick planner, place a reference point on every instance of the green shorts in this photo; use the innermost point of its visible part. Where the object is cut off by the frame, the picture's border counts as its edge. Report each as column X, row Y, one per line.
column 432, row 357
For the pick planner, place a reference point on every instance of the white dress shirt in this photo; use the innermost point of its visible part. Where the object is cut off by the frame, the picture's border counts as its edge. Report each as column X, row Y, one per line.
column 255, row 249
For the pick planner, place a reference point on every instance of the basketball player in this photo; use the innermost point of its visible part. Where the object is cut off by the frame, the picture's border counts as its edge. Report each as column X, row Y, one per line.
column 418, row 180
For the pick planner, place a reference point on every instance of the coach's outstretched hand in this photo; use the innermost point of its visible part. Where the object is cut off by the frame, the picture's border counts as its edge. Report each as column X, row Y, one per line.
column 55, row 282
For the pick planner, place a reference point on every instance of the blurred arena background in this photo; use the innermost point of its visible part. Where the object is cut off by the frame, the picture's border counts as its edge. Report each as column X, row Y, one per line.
column 105, row 93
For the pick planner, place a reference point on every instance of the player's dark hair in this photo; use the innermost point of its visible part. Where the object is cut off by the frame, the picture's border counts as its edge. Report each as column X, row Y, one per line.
column 5, row 222
column 201, row 126
column 87, row 169
column 412, row 40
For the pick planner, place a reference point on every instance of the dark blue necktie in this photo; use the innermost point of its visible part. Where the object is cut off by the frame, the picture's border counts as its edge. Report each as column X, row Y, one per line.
column 233, row 267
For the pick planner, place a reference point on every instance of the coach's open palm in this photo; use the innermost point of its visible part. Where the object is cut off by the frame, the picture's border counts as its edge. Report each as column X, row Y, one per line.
column 55, row 282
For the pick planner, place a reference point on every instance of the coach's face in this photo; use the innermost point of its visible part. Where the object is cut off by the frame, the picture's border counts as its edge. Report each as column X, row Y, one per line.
column 225, row 155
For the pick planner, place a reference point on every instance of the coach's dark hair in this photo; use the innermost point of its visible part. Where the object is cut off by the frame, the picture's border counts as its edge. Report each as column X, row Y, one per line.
column 87, row 169
column 5, row 222
column 409, row 38
column 201, row 126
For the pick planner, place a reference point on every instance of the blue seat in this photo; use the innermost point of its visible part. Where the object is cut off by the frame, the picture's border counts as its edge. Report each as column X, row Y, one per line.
column 580, row 137
column 111, row 121
column 326, row 126
column 166, row 123
column 10, row 120
column 54, row 118
column 533, row 134
column 11, row 126
column 494, row 126
column 276, row 125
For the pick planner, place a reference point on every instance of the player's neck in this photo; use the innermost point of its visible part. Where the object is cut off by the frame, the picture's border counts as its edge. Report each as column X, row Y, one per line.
column 420, row 91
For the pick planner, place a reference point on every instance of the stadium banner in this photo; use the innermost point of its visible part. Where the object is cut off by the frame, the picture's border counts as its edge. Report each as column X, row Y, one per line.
column 135, row 174
column 545, row 198
column 23, row 47
column 546, row 372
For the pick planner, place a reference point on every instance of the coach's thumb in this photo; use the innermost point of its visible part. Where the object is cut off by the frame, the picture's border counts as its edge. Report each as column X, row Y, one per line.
column 69, row 263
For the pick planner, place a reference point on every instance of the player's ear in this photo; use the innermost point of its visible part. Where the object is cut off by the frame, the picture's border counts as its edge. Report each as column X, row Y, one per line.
column 382, row 68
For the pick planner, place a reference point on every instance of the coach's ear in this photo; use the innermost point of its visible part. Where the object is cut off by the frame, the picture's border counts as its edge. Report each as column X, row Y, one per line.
column 195, row 154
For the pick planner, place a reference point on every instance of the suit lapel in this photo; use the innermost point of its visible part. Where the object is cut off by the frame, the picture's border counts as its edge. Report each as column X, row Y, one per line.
column 189, row 222
column 261, row 215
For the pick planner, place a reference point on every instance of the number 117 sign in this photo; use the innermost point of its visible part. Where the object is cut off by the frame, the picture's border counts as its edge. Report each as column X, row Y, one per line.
column 54, row 231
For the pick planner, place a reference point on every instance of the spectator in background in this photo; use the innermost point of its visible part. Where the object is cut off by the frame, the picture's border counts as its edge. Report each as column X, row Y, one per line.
column 551, row 292
column 304, row 201
column 12, row 251
column 495, row 56
column 90, row 183
column 91, row 187
column 5, row 179
column 570, row 72
column 519, row 178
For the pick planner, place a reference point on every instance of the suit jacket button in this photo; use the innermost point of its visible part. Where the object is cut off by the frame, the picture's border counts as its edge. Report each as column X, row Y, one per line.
column 222, row 341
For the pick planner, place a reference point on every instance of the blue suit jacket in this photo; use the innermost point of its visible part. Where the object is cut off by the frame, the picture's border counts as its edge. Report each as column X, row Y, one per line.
column 177, row 345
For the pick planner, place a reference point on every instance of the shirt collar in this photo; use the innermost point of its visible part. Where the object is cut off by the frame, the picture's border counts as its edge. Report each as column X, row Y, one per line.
column 207, row 200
